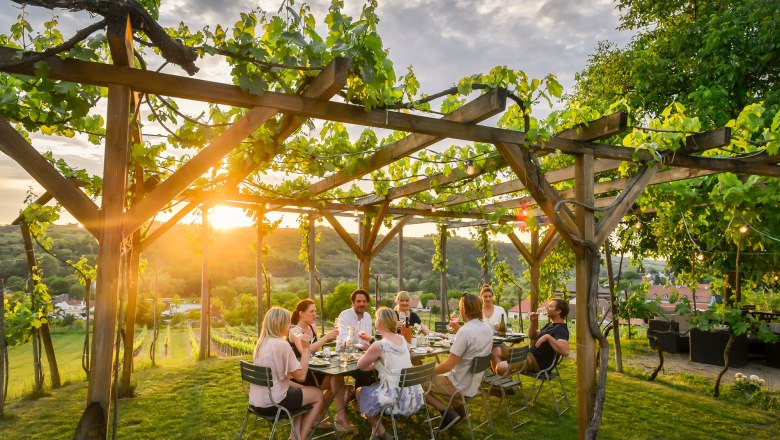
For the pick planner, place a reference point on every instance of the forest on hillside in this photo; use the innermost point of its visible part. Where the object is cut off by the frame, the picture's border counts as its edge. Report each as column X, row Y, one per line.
column 173, row 263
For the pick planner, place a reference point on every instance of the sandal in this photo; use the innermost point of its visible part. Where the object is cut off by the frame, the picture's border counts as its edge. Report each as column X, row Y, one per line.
column 341, row 427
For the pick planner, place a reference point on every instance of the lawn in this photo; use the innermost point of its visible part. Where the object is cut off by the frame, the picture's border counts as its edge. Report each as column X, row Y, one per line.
column 183, row 399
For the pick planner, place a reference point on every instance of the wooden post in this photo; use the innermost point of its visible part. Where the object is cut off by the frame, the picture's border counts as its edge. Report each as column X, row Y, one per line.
column 400, row 261
column 3, row 348
column 445, row 306
column 115, row 168
column 259, row 274
column 37, row 333
column 312, row 260
column 364, row 260
column 613, row 304
column 205, row 306
column 586, row 347
column 134, row 261
column 534, row 269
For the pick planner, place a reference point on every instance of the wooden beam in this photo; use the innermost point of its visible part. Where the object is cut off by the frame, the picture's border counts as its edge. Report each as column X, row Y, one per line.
column 378, row 220
column 324, row 86
column 72, row 199
column 342, row 233
column 708, row 140
column 625, row 200
column 165, row 227
column 586, row 344
column 389, row 236
column 205, row 297
column 671, row 175
column 487, row 105
column 539, row 188
column 115, row 167
column 209, row 91
column 521, row 247
column 427, row 183
column 548, row 246
column 195, row 167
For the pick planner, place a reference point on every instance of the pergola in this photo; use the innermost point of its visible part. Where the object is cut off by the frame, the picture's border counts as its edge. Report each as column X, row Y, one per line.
column 117, row 223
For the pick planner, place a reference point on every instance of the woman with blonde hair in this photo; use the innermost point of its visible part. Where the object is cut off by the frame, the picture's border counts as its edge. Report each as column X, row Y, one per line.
column 388, row 356
column 403, row 311
column 273, row 351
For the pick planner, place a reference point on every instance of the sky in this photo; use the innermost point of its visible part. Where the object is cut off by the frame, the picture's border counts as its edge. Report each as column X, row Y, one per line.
column 443, row 40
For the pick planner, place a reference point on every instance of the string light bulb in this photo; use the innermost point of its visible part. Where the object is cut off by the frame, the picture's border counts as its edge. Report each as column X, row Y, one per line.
column 700, row 257
column 470, row 168
column 743, row 229
column 776, row 277
column 638, row 225
column 433, row 208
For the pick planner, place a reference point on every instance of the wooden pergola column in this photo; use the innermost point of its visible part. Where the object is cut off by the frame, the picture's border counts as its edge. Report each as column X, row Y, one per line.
column 400, row 261
column 259, row 270
column 312, row 260
column 445, row 305
column 205, row 303
column 115, row 168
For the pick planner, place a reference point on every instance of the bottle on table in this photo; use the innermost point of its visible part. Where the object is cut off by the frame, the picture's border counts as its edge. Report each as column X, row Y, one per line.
column 502, row 327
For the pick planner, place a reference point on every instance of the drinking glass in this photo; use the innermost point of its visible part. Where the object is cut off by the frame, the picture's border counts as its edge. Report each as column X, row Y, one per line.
column 343, row 358
column 326, row 351
column 509, row 327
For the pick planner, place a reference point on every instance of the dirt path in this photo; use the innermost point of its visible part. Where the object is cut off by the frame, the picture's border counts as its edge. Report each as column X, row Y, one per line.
column 679, row 363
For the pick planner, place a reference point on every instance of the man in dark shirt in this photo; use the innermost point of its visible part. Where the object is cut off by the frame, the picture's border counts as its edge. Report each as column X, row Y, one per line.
column 552, row 339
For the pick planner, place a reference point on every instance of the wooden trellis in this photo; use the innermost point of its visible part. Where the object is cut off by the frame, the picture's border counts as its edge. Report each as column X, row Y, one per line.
column 116, row 224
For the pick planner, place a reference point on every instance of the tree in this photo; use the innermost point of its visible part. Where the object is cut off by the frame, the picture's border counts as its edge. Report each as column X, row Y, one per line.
column 338, row 300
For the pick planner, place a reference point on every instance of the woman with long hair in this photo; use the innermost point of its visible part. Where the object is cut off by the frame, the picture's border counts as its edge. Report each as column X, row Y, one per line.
column 273, row 351
column 388, row 356
column 303, row 319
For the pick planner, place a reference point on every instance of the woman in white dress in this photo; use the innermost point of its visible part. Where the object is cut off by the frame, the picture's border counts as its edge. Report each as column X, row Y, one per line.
column 388, row 356
column 491, row 315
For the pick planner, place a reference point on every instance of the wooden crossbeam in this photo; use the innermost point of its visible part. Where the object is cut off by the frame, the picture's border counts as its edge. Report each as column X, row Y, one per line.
column 323, row 87
column 606, row 126
column 487, row 105
column 697, row 143
column 389, row 236
column 333, row 77
column 375, row 227
column 13, row 144
column 46, row 197
column 209, row 91
column 666, row 176
column 529, row 258
column 348, row 240
column 625, row 200
column 170, row 223
column 550, row 240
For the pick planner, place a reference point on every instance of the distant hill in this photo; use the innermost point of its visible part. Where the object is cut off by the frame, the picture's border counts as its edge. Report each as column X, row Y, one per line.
column 174, row 261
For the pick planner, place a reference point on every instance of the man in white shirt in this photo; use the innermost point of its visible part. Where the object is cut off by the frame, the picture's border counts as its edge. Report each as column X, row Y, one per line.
column 475, row 338
column 358, row 318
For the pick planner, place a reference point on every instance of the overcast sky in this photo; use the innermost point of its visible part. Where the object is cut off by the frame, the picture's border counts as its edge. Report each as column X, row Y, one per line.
column 443, row 40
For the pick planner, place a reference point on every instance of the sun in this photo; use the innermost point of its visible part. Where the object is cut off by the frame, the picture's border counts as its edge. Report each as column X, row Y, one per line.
column 225, row 217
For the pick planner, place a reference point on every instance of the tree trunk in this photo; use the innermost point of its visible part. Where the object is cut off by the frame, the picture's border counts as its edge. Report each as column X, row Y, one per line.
column 36, row 338
column 660, row 362
column 726, row 353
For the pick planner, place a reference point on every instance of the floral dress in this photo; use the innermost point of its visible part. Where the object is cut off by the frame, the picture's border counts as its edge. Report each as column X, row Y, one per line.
column 385, row 392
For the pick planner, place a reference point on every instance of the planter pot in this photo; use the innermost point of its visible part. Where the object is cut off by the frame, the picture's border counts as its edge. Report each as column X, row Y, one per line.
column 707, row 348
column 667, row 336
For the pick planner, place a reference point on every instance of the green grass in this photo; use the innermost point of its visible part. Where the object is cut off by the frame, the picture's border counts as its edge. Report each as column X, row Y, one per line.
column 182, row 399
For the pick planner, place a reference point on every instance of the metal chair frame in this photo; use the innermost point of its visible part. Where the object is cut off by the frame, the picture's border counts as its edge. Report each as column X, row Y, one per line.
column 261, row 376
column 478, row 365
column 508, row 381
column 412, row 376
column 547, row 375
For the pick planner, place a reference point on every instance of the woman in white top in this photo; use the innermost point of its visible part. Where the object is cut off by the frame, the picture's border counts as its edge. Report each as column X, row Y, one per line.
column 388, row 356
column 491, row 315
column 274, row 351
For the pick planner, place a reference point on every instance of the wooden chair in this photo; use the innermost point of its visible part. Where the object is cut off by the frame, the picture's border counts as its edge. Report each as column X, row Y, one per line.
column 261, row 376
column 410, row 377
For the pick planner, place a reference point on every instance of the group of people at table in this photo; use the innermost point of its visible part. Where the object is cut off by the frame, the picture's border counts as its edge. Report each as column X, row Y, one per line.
column 284, row 336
